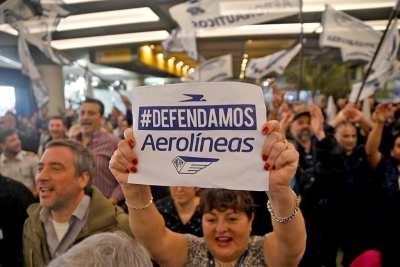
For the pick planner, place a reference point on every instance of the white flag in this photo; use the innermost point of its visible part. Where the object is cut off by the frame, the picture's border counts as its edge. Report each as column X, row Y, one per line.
column 180, row 41
column 366, row 108
column 36, row 23
column 88, row 83
column 387, row 53
column 331, row 109
column 385, row 65
column 355, row 39
column 277, row 62
column 374, row 82
column 212, row 14
column 29, row 69
column 213, row 70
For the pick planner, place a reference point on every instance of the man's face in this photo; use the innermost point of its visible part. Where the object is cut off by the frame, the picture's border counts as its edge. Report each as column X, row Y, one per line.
column 12, row 144
column 56, row 128
column 346, row 136
column 301, row 128
column 90, row 118
column 5, row 123
column 395, row 152
column 57, row 184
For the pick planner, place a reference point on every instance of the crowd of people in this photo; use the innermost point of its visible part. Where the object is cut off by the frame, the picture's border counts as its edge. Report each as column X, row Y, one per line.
column 333, row 186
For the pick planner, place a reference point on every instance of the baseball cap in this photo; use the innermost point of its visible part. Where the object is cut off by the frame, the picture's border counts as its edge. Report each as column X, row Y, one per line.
column 298, row 115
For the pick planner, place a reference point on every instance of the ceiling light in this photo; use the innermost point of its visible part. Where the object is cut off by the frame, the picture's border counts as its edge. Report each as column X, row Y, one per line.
column 8, row 29
column 97, row 19
column 107, row 18
column 69, row 2
column 11, row 62
column 110, row 40
column 318, row 5
column 243, row 7
column 277, row 29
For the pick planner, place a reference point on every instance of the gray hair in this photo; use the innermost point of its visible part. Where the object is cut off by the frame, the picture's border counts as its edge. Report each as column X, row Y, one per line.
column 105, row 250
column 84, row 160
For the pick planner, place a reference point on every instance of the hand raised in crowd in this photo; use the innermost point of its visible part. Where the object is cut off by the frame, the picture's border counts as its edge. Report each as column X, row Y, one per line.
column 282, row 157
column 317, row 122
column 383, row 112
column 353, row 114
column 277, row 97
column 124, row 159
column 286, row 119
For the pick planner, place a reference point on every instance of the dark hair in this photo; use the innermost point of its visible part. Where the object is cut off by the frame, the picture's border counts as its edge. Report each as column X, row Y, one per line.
column 395, row 136
column 343, row 124
column 223, row 199
column 5, row 133
column 84, row 160
column 95, row 101
column 57, row 117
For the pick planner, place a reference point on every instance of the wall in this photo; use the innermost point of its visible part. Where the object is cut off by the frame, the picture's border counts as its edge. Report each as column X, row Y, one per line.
column 25, row 103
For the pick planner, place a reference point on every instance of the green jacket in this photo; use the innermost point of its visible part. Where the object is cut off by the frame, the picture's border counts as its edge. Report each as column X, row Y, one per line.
column 103, row 217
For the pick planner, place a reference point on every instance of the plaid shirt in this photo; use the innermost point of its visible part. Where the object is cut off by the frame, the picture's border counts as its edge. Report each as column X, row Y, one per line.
column 103, row 145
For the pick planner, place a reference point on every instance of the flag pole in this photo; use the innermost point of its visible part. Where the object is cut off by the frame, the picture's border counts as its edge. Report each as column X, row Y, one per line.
column 300, row 83
column 393, row 14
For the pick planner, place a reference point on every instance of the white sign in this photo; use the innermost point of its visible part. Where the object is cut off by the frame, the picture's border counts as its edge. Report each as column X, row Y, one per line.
column 200, row 134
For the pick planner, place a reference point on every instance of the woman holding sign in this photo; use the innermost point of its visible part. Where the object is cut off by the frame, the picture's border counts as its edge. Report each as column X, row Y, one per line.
column 226, row 215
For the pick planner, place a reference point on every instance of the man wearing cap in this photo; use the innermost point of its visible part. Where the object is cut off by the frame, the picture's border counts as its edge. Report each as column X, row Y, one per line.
column 319, row 182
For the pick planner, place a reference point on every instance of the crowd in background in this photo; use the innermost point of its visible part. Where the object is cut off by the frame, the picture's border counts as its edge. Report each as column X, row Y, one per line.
column 348, row 175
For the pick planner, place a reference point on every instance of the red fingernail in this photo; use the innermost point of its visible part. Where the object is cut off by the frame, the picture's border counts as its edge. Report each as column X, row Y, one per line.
column 133, row 169
column 266, row 166
column 265, row 129
column 264, row 157
column 135, row 161
column 131, row 143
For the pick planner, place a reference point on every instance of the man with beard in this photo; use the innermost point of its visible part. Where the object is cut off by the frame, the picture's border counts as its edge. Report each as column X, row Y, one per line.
column 56, row 129
column 319, row 183
column 70, row 208
column 16, row 163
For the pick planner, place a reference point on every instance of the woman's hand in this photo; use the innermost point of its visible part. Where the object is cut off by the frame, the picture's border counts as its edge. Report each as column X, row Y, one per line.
column 124, row 159
column 280, row 157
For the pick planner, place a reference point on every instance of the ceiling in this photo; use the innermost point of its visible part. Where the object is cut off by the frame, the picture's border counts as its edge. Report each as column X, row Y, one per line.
column 253, row 45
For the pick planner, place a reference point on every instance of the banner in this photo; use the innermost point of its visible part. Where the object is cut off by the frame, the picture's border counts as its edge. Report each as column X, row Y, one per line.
column 35, row 23
column 213, row 14
column 374, row 82
column 277, row 62
column 213, row 70
column 180, row 41
column 202, row 134
column 387, row 53
column 385, row 65
column 356, row 40
column 29, row 69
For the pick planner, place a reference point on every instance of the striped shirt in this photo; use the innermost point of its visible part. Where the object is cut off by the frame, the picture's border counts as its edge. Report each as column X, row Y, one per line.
column 102, row 145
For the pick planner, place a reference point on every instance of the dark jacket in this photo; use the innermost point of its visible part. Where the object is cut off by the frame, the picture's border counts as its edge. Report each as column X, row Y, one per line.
column 14, row 200
column 103, row 217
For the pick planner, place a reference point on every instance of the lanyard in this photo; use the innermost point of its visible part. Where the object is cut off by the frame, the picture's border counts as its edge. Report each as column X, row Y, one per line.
column 211, row 261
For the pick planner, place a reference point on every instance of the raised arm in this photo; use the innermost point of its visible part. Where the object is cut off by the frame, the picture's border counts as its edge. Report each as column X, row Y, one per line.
column 375, row 136
column 285, row 246
column 147, row 224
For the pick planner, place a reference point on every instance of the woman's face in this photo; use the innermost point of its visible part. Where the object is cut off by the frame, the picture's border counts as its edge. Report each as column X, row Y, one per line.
column 226, row 234
column 183, row 195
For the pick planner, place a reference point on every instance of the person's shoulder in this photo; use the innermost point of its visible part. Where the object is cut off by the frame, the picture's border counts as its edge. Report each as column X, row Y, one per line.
column 163, row 202
column 29, row 154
